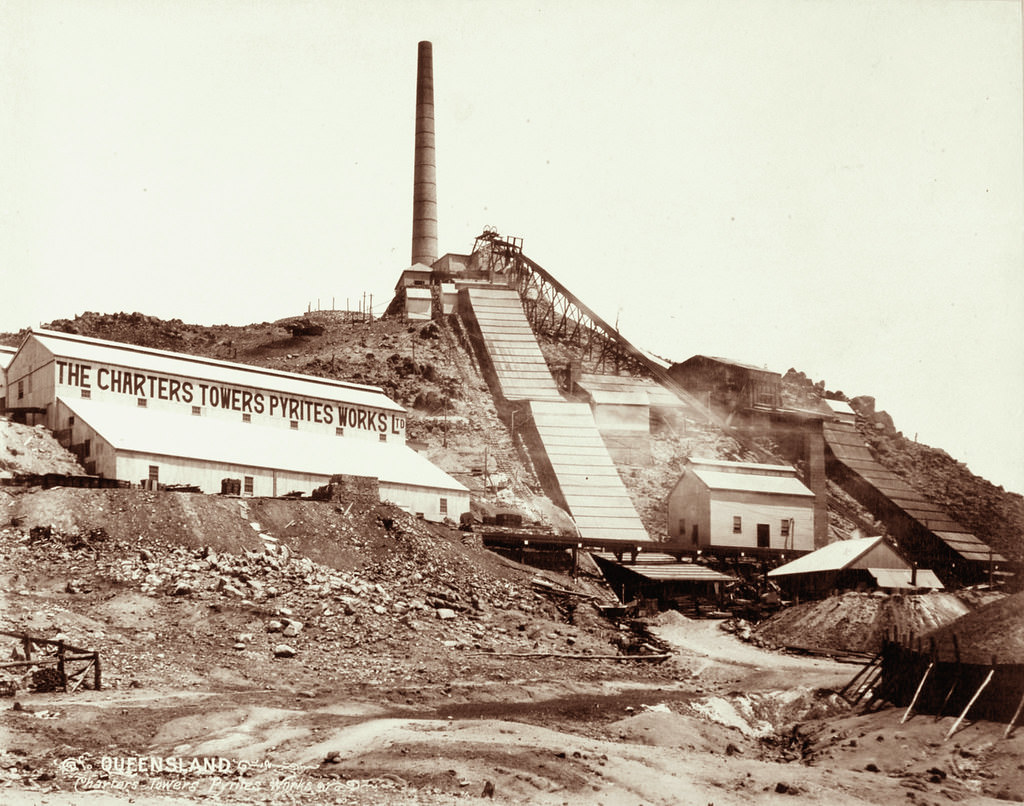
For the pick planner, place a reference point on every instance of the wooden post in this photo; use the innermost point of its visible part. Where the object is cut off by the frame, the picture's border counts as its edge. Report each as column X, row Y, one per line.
column 917, row 693
column 61, row 670
column 1013, row 721
column 96, row 676
column 977, row 694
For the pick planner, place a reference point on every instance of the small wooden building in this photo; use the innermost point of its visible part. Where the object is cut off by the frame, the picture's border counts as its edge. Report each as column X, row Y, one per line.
column 741, row 507
column 862, row 563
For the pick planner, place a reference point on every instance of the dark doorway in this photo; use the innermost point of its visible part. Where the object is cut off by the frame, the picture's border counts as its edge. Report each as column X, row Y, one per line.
column 764, row 535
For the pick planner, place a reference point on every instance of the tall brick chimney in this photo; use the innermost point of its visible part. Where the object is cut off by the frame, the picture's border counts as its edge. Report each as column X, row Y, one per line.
column 424, row 183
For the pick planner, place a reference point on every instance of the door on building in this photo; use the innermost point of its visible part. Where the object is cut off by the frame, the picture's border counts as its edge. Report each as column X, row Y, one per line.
column 764, row 535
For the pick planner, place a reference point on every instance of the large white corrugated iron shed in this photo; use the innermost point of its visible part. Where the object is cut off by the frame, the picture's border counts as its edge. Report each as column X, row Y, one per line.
column 83, row 348
column 207, row 439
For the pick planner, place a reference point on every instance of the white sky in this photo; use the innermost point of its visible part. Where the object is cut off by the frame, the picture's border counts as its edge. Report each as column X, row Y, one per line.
column 831, row 185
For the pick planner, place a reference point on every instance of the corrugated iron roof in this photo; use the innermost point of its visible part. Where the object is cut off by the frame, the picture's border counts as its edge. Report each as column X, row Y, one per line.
column 666, row 568
column 743, row 467
column 212, row 439
column 833, row 557
column 522, row 372
column 657, row 395
column 970, row 547
column 849, row 448
column 899, row 578
column 587, row 477
column 749, row 482
column 83, row 348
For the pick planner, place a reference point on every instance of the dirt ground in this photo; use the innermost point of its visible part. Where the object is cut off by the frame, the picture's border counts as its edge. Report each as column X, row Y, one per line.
column 511, row 704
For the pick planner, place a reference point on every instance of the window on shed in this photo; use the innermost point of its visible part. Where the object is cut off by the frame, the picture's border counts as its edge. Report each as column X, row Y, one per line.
column 71, row 420
column 87, row 393
column 248, row 485
column 784, row 527
column 246, row 417
column 294, row 425
column 682, row 527
column 197, row 411
column 737, row 524
column 764, row 535
column 444, row 506
column 142, row 402
column 383, row 437
column 339, row 431
column 87, row 447
column 21, row 389
column 696, row 534
column 154, row 473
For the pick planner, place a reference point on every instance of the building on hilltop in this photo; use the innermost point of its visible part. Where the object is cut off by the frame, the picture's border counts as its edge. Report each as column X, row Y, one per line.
column 739, row 507
column 160, row 418
column 729, row 386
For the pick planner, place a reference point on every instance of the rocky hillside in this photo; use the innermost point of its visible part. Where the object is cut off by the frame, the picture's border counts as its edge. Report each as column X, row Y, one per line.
column 431, row 371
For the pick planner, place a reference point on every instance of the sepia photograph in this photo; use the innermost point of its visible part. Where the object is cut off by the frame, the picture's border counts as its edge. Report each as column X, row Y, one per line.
column 555, row 403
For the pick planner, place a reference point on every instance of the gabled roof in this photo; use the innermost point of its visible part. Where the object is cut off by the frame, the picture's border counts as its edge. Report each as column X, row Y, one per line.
column 748, row 477
column 833, row 557
column 148, row 359
column 164, row 433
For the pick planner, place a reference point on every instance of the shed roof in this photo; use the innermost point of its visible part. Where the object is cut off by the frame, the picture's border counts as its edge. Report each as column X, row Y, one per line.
column 212, row 439
column 752, row 483
column 665, row 568
column 84, row 348
column 657, row 395
column 839, row 406
column 833, row 557
column 743, row 467
column 899, row 578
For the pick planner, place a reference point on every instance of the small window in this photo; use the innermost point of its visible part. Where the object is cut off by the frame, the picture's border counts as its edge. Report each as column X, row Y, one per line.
column 294, row 425
column 682, row 527
column 784, row 527
column 142, row 402
column 339, row 431
column 248, row 485
column 21, row 389
column 197, row 411
column 383, row 437
column 71, row 420
column 154, row 473
column 87, row 393
column 737, row 524
column 696, row 534
column 87, row 447
column 444, row 506
column 246, row 418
